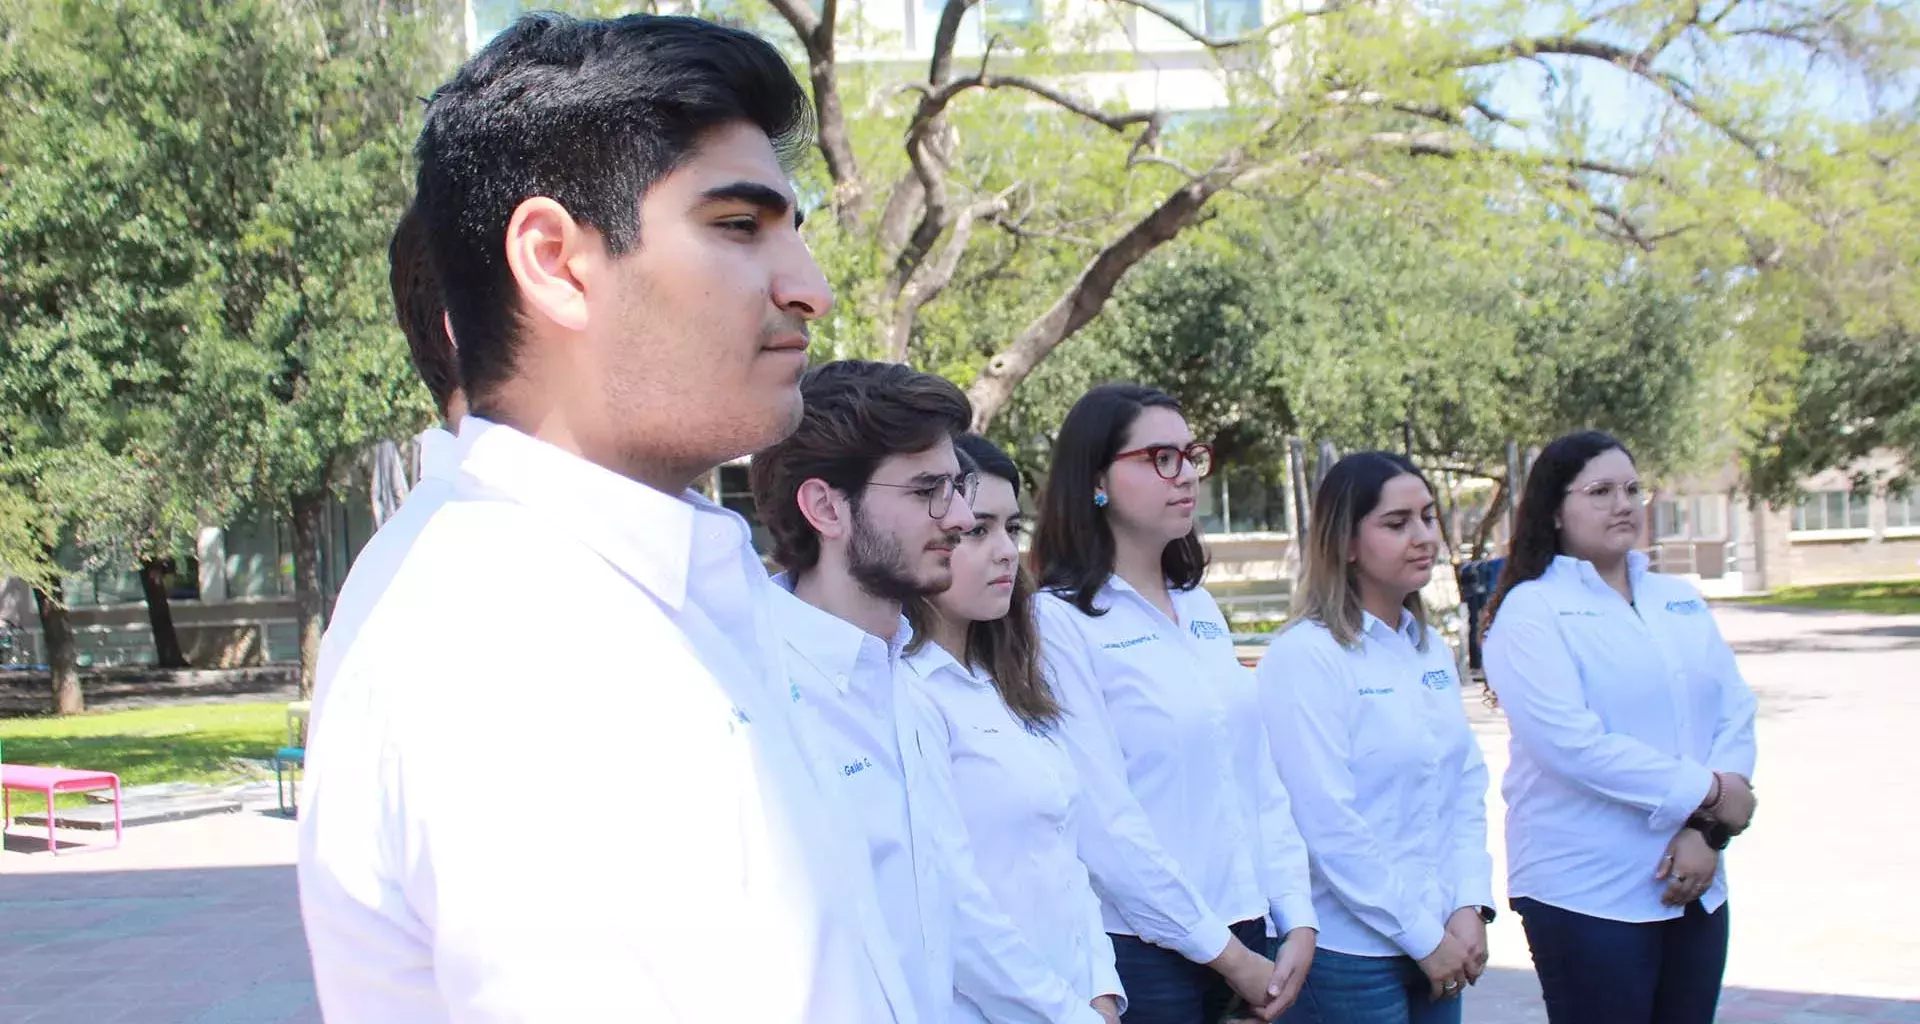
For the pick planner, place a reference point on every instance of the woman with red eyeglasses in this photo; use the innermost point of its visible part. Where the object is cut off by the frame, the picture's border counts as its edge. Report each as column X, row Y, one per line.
column 1193, row 848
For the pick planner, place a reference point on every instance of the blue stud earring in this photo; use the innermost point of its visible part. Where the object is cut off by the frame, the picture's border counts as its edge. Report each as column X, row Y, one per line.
column 1100, row 500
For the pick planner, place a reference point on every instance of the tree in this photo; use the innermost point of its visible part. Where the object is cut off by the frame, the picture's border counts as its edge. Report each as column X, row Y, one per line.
column 100, row 293
column 1005, row 158
column 198, row 196
column 308, row 372
column 1367, row 328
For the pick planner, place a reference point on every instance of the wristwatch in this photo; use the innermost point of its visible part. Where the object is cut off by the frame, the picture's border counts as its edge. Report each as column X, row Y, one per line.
column 1716, row 834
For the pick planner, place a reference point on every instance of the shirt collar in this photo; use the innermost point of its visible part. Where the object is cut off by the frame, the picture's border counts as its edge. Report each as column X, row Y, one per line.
column 932, row 659
column 1568, row 567
column 647, row 535
column 439, row 454
column 829, row 643
column 1409, row 627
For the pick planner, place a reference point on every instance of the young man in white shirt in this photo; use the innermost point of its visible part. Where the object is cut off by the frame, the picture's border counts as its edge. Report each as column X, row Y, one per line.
column 573, row 632
column 866, row 502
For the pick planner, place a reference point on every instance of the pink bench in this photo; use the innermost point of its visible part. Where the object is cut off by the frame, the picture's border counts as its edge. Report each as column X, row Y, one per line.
column 49, row 781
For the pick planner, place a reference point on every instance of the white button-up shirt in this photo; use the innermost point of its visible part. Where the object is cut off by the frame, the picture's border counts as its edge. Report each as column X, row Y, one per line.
column 1020, row 798
column 1620, row 714
column 373, row 569
column 1164, row 726
column 560, row 637
column 1388, row 784
column 869, row 727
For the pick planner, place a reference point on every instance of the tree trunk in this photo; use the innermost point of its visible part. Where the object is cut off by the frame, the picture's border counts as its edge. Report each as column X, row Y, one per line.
column 63, row 653
column 166, row 639
column 308, row 516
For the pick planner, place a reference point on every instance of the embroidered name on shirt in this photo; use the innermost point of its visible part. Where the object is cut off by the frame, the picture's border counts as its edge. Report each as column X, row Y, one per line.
column 1375, row 691
column 1691, row 606
column 1580, row 613
column 1437, row 679
column 1207, row 629
column 1121, row 645
column 856, row 767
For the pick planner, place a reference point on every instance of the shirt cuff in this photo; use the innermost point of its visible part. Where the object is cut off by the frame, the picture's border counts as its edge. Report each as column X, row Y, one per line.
column 1690, row 789
column 1204, row 943
column 1290, row 912
column 1476, row 893
column 1422, row 939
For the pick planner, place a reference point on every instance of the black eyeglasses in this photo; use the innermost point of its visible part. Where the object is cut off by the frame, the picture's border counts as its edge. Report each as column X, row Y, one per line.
column 939, row 493
column 1166, row 459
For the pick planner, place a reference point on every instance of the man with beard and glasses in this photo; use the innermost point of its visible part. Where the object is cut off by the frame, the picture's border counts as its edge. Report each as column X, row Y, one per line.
column 865, row 503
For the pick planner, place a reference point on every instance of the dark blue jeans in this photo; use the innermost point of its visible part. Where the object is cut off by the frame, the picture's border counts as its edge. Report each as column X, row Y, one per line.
column 1164, row 987
column 1347, row 989
column 1596, row 971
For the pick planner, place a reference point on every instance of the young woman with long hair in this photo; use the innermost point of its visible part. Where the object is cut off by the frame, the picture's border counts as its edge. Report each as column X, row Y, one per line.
column 976, row 658
column 1198, row 847
column 1631, row 753
column 1364, row 714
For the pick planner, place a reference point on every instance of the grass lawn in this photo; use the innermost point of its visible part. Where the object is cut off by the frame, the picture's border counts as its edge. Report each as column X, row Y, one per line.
column 1891, row 597
column 195, row 743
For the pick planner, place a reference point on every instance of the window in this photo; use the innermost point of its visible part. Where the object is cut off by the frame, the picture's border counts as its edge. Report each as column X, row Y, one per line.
column 1242, row 500
column 1702, row 517
column 1671, row 519
column 1903, row 510
column 984, row 18
column 736, row 493
column 1215, row 19
column 1830, row 510
column 1232, row 17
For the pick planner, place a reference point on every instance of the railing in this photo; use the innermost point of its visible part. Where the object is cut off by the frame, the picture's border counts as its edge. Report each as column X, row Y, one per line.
column 101, row 646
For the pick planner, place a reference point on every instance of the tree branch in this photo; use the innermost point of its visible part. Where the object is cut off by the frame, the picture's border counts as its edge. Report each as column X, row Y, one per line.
column 1257, row 36
column 935, row 277
column 1091, row 289
column 816, row 33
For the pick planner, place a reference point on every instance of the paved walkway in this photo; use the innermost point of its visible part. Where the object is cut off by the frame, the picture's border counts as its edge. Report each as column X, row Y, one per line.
column 196, row 922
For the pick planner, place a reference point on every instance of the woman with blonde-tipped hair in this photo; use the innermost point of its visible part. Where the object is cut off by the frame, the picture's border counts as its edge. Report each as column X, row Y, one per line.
column 1364, row 717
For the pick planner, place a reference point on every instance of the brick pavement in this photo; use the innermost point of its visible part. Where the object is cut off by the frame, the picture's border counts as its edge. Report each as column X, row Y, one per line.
column 197, row 922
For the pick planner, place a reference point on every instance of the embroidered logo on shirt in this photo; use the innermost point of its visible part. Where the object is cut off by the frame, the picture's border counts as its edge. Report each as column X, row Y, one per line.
column 740, row 715
column 1375, row 691
column 1691, row 606
column 855, row 768
column 793, row 690
column 1121, row 645
column 1207, row 629
column 1437, row 679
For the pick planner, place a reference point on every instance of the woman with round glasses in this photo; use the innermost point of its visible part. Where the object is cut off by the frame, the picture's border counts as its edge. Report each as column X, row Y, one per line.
column 1631, row 753
column 1196, row 848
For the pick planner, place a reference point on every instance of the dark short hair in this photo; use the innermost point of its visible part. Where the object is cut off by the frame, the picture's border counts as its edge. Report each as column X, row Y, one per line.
column 592, row 114
column 856, row 415
column 1074, row 545
column 420, row 309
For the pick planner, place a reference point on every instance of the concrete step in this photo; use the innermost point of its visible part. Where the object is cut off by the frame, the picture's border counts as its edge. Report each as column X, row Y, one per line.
column 136, row 809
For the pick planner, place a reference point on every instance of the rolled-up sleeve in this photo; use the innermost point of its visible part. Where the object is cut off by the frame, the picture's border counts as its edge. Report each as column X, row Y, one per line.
column 1538, row 685
column 1306, row 702
column 1129, row 868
